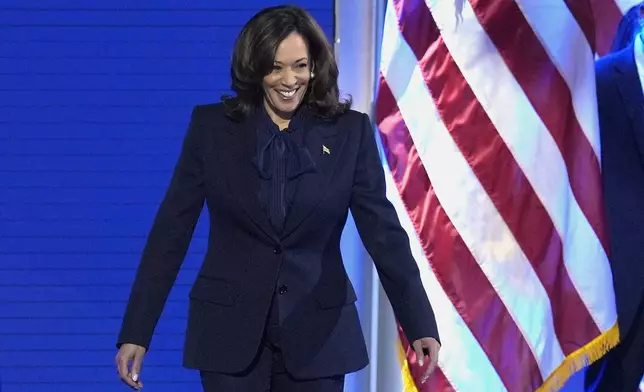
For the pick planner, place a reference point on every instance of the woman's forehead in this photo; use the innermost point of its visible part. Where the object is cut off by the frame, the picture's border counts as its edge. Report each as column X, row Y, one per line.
column 292, row 48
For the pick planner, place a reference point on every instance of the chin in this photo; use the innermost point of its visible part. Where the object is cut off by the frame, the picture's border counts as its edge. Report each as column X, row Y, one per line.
column 286, row 107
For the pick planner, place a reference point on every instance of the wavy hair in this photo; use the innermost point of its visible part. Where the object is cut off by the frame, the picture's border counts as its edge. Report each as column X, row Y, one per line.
column 254, row 56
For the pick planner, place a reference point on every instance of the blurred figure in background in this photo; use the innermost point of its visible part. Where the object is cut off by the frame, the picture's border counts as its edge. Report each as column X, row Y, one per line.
column 629, row 27
column 620, row 78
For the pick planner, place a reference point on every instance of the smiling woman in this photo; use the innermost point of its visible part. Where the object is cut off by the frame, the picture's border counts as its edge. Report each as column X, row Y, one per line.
column 282, row 58
column 285, row 86
column 272, row 308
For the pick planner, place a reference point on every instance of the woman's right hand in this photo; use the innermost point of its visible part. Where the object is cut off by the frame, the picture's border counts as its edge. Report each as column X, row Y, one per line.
column 130, row 353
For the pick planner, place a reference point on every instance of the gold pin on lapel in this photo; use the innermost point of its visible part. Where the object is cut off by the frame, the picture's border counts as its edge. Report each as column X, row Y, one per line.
column 325, row 150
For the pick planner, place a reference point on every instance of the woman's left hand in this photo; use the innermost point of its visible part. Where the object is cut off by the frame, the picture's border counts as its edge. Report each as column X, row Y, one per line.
column 431, row 347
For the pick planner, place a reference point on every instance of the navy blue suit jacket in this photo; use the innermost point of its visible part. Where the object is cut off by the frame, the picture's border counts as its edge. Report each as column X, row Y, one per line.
column 247, row 260
column 621, row 118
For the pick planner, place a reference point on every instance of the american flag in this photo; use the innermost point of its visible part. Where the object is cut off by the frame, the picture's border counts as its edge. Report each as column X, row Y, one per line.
column 487, row 116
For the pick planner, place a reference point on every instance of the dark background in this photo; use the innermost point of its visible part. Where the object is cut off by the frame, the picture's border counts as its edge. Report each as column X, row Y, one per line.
column 95, row 97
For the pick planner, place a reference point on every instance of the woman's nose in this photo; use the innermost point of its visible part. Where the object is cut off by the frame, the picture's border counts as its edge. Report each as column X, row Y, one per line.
column 289, row 78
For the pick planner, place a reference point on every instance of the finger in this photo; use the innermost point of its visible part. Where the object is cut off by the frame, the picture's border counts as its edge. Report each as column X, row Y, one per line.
column 420, row 356
column 123, row 371
column 135, row 373
column 433, row 361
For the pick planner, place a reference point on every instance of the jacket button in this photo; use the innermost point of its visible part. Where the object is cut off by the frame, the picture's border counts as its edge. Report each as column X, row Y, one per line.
column 283, row 289
column 277, row 250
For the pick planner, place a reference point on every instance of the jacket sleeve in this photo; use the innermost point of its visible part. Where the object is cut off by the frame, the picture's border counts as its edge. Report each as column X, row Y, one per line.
column 387, row 242
column 167, row 242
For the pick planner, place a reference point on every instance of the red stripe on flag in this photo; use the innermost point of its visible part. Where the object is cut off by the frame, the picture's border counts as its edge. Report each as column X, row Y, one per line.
column 454, row 266
column 583, row 14
column 418, row 35
column 550, row 96
column 607, row 16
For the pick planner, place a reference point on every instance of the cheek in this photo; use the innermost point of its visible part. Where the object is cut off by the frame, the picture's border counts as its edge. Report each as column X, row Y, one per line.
column 305, row 81
column 267, row 90
column 268, row 83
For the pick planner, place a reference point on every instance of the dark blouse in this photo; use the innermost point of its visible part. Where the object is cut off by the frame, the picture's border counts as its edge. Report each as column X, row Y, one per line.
column 280, row 160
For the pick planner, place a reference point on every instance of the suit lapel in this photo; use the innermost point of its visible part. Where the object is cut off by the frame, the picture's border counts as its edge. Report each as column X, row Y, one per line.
column 630, row 88
column 325, row 145
column 235, row 154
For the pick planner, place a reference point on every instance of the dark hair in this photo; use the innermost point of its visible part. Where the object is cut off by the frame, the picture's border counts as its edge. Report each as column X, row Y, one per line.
column 628, row 28
column 254, row 55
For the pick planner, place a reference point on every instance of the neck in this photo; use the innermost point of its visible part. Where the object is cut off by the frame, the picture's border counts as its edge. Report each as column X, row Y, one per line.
column 281, row 121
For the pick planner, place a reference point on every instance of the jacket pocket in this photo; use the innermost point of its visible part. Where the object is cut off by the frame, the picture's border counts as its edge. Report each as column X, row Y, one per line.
column 336, row 295
column 214, row 290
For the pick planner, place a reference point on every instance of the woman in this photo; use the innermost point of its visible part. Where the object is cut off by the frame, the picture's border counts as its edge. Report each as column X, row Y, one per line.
column 280, row 165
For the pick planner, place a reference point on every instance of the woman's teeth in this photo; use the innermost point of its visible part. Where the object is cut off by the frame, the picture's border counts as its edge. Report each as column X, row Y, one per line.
column 287, row 94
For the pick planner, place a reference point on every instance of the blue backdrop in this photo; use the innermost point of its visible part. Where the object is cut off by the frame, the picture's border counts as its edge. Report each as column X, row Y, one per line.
column 95, row 98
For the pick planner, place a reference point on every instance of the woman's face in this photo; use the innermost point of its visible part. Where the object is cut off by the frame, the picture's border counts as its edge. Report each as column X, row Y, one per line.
column 285, row 86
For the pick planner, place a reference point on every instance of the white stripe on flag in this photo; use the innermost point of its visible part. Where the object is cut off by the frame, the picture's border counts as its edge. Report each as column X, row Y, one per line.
column 551, row 20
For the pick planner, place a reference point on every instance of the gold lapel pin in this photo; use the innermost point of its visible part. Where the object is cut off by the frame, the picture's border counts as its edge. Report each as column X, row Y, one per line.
column 325, row 150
